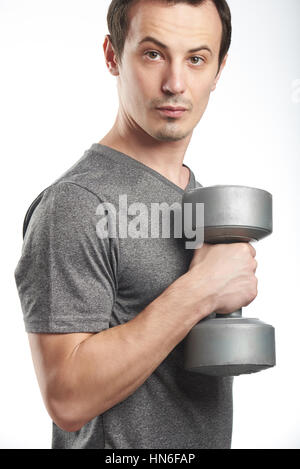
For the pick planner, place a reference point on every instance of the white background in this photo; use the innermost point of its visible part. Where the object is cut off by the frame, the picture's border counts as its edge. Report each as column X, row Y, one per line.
column 57, row 98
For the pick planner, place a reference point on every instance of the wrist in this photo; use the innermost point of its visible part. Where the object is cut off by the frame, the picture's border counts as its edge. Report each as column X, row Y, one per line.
column 191, row 298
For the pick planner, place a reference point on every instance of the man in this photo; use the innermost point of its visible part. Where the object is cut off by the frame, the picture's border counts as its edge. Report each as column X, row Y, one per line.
column 106, row 316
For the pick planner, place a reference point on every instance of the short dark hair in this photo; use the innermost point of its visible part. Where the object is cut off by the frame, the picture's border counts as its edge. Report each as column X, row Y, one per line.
column 117, row 21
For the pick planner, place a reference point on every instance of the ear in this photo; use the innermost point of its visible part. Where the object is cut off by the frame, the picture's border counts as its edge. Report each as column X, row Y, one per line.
column 219, row 73
column 110, row 56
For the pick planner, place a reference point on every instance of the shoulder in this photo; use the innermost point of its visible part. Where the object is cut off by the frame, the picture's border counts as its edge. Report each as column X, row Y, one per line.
column 61, row 204
column 103, row 173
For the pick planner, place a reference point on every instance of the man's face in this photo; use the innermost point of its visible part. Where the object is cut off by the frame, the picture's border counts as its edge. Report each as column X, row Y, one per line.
column 153, row 75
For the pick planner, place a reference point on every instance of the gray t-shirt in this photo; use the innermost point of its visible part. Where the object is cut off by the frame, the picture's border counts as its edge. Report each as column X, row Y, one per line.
column 70, row 278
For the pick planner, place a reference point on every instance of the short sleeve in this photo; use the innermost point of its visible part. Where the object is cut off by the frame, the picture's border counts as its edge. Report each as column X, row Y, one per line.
column 67, row 275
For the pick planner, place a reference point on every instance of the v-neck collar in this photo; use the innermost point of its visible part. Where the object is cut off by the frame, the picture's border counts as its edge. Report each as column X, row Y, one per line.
column 117, row 155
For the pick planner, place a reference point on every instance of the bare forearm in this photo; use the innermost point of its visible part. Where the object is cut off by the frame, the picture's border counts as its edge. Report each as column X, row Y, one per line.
column 109, row 366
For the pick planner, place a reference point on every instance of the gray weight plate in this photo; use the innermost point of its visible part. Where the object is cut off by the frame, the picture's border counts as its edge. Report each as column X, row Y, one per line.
column 229, row 347
column 232, row 213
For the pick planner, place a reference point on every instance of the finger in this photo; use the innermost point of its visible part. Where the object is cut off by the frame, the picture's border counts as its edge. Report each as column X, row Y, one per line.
column 252, row 250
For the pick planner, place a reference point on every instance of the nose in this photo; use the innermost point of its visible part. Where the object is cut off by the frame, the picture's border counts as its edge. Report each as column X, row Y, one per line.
column 174, row 80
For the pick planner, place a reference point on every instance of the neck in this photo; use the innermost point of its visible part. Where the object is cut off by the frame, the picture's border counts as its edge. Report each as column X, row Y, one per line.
column 164, row 157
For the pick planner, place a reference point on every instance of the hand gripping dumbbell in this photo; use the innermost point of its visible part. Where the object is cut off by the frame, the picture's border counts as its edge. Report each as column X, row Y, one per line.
column 229, row 344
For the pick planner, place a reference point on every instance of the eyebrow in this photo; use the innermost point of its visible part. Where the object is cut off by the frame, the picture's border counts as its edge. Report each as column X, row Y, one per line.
column 163, row 46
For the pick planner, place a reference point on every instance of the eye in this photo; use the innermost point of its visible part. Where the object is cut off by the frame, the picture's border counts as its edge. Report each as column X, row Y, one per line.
column 200, row 60
column 153, row 53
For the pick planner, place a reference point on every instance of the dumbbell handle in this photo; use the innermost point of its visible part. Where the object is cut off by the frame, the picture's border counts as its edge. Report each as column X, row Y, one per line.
column 238, row 312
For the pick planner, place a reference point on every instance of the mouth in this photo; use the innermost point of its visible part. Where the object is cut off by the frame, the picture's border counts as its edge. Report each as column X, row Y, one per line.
column 172, row 111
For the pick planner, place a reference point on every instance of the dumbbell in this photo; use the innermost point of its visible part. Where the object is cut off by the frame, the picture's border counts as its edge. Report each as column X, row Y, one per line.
column 229, row 344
